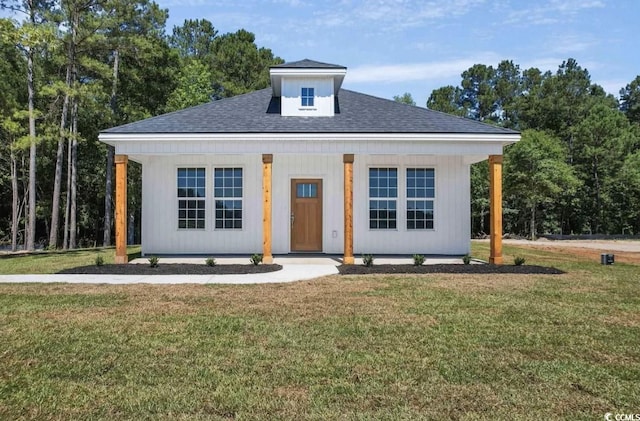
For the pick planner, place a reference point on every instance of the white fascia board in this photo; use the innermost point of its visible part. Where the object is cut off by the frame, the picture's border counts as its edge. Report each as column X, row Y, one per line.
column 276, row 76
column 113, row 138
column 308, row 72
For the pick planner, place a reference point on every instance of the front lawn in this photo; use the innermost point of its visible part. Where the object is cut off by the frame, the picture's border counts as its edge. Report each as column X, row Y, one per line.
column 436, row 346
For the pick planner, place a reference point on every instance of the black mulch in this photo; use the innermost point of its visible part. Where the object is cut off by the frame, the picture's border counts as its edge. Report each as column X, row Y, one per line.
column 172, row 269
column 444, row 268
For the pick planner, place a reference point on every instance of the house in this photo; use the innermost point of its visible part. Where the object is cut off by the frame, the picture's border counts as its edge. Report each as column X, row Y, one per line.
column 306, row 166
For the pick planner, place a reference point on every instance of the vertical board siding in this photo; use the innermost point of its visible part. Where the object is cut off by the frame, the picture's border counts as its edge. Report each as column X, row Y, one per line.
column 323, row 96
column 160, row 234
column 451, row 208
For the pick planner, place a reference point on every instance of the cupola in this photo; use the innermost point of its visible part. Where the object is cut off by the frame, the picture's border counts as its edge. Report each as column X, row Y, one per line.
column 307, row 88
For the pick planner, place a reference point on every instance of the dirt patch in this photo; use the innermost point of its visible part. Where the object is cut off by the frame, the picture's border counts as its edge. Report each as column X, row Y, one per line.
column 624, row 251
column 443, row 268
column 172, row 269
column 593, row 254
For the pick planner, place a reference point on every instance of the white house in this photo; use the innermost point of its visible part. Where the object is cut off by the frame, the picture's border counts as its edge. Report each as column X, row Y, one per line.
column 305, row 166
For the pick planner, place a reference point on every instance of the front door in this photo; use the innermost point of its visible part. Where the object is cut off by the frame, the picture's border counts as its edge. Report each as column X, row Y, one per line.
column 306, row 215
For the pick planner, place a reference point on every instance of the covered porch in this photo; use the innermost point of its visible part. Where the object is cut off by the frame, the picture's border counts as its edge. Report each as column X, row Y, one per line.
column 348, row 234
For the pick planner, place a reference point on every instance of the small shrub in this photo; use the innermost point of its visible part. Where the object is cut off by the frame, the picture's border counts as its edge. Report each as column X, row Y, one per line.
column 418, row 260
column 153, row 261
column 519, row 260
column 210, row 262
column 256, row 259
column 99, row 260
column 466, row 259
column 367, row 260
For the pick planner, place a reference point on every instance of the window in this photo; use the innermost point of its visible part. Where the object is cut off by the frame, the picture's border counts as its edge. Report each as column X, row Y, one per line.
column 304, row 190
column 307, row 97
column 191, row 198
column 228, row 197
column 383, row 193
column 420, row 195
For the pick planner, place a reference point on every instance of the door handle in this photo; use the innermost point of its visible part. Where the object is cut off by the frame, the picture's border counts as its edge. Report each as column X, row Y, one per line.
column 293, row 218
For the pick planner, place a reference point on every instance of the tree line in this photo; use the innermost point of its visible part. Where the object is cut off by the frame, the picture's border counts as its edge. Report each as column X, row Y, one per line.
column 70, row 68
column 576, row 169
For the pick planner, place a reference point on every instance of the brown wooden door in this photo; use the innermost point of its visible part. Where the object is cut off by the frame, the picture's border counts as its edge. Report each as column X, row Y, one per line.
column 306, row 215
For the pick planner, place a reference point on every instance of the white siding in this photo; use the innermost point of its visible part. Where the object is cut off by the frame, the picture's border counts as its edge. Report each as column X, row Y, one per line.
column 160, row 233
column 323, row 102
column 452, row 212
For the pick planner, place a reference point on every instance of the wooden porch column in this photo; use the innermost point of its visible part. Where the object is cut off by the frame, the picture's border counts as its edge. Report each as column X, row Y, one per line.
column 267, row 160
column 121, row 208
column 495, row 191
column 348, row 159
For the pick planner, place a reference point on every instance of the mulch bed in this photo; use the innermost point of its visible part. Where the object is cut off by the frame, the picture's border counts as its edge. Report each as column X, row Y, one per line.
column 444, row 268
column 171, row 269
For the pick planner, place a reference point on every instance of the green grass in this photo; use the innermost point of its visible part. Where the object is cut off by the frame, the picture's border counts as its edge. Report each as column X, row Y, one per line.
column 357, row 347
column 55, row 261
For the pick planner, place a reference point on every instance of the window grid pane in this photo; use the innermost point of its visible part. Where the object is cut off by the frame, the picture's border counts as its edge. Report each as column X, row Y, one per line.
column 420, row 187
column 191, row 183
column 306, row 190
column 191, row 214
column 228, row 195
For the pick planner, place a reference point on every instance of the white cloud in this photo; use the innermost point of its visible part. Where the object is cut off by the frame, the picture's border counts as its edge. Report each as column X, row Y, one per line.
column 568, row 44
column 393, row 15
column 409, row 72
column 550, row 12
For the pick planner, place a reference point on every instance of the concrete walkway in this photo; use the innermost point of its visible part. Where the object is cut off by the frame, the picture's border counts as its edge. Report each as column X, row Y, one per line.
column 294, row 268
column 289, row 273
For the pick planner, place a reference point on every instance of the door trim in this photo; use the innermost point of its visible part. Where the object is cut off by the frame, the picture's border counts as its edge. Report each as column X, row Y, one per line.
column 320, row 198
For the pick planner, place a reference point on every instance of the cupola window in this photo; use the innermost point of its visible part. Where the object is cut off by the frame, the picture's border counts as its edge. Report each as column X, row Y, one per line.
column 307, row 97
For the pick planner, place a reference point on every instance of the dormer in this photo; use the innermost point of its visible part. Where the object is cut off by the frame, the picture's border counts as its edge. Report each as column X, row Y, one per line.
column 307, row 88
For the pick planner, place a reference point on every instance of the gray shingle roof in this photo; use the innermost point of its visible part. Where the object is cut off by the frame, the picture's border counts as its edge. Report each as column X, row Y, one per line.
column 307, row 64
column 259, row 112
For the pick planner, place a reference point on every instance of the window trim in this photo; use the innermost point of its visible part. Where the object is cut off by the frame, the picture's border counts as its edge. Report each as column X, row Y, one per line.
column 216, row 198
column 178, row 198
column 396, row 199
column 407, row 198
column 310, row 96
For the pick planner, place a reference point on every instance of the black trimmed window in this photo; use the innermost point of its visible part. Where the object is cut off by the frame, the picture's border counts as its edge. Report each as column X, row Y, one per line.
column 191, row 198
column 383, row 198
column 228, row 197
column 306, row 97
column 420, row 198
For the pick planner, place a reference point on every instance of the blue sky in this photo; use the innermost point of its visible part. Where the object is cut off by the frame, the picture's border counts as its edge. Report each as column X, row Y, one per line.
column 396, row 46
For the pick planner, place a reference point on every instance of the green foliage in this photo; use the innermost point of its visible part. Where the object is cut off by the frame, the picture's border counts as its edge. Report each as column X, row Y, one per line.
column 239, row 66
column 567, row 178
column 193, row 87
column 466, row 259
column 99, row 260
column 405, row 98
column 418, row 260
column 154, row 261
column 630, row 100
column 446, row 100
column 537, row 177
column 367, row 260
column 256, row 259
column 519, row 260
column 194, row 39
column 210, row 261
